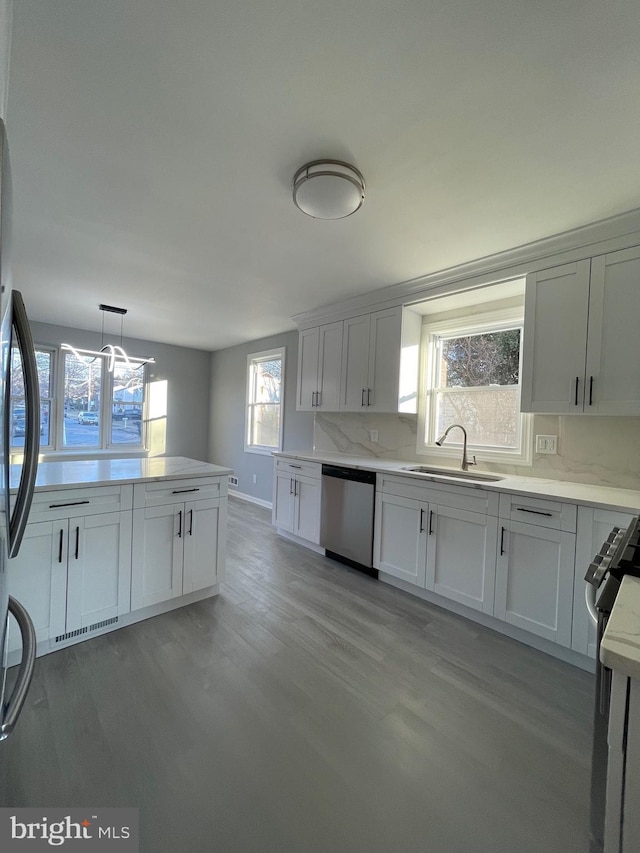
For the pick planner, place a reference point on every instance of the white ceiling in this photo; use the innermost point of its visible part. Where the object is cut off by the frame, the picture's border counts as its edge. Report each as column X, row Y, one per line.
column 153, row 145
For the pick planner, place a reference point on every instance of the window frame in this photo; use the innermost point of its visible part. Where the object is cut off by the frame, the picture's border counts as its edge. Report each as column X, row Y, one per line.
column 484, row 323
column 56, row 400
column 15, row 449
column 252, row 358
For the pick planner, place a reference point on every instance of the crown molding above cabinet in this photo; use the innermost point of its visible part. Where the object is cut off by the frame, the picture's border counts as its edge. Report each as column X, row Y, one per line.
column 597, row 238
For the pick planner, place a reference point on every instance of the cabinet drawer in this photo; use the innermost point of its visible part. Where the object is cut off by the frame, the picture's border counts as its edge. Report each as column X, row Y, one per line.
column 65, row 503
column 296, row 467
column 458, row 497
column 164, row 492
column 544, row 513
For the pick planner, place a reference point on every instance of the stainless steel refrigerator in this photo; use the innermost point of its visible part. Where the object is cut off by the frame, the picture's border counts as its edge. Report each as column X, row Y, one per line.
column 14, row 509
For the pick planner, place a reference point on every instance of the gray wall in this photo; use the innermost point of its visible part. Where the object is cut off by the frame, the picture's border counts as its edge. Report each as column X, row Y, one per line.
column 186, row 371
column 227, row 418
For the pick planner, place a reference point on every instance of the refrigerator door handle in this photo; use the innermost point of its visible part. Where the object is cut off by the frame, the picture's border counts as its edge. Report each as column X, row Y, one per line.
column 25, row 674
column 32, row 438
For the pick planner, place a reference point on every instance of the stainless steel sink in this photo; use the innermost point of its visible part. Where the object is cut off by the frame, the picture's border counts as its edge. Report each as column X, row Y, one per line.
column 453, row 472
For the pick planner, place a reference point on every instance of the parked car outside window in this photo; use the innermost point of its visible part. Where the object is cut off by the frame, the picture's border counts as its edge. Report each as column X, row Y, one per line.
column 88, row 418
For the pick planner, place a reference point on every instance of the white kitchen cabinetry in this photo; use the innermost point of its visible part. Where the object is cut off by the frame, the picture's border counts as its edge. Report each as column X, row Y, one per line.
column 593, row 528
column 73, row 571
column 319, row 368
column 535, row 566
column 580, row 347
column 297, row 498
column 178, row 544
column 379, row 362
column 440, row 539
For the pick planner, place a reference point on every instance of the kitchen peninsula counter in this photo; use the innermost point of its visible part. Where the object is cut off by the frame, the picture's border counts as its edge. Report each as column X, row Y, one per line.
column 104, row 472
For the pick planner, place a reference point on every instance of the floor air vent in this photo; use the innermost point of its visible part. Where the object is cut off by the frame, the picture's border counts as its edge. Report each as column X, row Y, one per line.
column 70, row 634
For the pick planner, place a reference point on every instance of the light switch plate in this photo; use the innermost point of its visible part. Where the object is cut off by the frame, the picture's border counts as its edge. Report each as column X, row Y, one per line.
column 546, row 444
column 373, row 433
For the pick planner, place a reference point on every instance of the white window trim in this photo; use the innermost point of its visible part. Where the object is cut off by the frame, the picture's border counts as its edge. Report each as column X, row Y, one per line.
column 52, row 399
column 265, row 355
column 504, row 318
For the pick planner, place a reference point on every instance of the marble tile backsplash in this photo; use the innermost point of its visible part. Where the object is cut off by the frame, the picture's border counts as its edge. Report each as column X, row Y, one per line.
column 599, row 450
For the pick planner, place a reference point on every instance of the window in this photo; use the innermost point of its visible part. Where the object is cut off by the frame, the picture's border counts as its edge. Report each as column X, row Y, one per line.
column 265, row 384
column 44, row 361
column 83, row 406
column 472, row 377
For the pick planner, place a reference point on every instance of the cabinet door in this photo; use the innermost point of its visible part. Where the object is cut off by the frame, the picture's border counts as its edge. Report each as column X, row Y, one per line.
column 99, row 568
column 201, row 544
column 534, row 579
column 37, row 578
column 329, row 367
column 355, row 364
column 156, row 573
column 461, row 556
column 613, row 343
column 400, row 542
column 283, row 501
column 384, row 360
column 308, row 341
column 594, row 525
column 307, row 509
column 555, row 336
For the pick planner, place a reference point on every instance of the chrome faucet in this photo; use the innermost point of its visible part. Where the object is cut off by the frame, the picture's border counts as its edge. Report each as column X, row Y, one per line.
column 464, row 465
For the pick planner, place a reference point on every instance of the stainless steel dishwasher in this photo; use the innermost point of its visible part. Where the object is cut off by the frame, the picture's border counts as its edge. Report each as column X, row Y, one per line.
column 347, row 516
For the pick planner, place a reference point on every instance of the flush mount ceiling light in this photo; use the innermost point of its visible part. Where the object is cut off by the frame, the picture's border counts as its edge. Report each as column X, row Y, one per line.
column 328, row 189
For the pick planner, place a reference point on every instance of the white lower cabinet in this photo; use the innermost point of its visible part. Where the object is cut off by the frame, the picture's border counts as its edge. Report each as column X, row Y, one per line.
column 400, row 539
column 445, row 549
column 73, row 574
column 297, row 498
column 534, row 579
column 461, row 556
column 177, row 549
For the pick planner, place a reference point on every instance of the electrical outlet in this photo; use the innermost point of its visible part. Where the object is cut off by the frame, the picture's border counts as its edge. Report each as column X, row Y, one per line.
column 255, row 478
column 546, row 444
column 233, row 481
column 373, row 435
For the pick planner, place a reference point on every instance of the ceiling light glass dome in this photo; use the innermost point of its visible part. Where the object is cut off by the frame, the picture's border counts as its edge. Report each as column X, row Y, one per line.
column 328, row 189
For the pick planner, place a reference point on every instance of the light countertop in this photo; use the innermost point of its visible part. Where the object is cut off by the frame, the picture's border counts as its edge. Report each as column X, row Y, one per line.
column 620, row 648
column 104, row 472
column 604, row 497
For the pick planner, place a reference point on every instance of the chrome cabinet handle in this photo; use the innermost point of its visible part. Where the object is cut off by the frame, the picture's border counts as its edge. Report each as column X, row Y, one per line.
column 180, row 524
column 25, row 673
column 32, row 438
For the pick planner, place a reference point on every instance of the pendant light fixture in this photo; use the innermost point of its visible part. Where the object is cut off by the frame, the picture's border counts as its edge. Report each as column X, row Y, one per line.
column 328, row 189
column 110, row 352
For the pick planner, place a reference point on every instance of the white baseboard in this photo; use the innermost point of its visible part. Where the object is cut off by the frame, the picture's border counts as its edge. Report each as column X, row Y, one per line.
column 250, row 499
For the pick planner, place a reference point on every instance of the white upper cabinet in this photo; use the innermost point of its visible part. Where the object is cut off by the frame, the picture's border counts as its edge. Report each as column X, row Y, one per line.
column 379, row 362
column 319, row 368
column 581, row 349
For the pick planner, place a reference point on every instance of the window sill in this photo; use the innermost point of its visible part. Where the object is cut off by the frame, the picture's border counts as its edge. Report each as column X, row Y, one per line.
column 75, row 455
column 263, row 451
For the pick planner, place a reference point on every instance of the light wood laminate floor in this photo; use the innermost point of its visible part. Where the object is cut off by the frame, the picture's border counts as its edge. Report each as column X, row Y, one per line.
column 310, row 709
